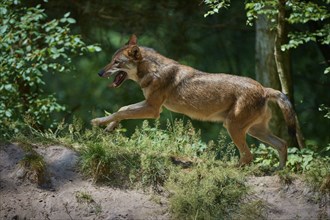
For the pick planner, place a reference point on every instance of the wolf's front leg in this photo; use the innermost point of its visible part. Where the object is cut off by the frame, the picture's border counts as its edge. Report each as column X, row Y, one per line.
column 141, row 110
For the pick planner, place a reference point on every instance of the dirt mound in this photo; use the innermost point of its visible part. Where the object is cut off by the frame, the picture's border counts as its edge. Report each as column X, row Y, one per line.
column 292, row 201
column 69, row 196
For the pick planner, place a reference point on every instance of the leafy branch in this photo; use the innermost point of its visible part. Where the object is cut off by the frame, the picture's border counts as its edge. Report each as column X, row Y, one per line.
column 32, row 46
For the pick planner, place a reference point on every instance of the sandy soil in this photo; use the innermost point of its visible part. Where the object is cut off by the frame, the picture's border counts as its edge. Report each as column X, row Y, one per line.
column 21, row 199
column 293, row 201
column 63, row 196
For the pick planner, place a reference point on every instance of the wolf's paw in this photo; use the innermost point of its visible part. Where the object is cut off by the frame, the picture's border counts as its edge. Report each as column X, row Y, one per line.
column 112, row 126
column 247, row 159
column 96, row 122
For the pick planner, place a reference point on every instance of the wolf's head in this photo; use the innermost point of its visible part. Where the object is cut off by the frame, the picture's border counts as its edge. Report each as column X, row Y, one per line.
column 124, row 63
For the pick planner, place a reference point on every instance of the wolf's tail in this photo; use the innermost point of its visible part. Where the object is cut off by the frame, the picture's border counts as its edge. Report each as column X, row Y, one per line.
column 289, row 114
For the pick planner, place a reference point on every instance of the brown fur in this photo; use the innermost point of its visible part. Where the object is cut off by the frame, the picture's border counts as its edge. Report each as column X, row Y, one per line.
column 239, row 102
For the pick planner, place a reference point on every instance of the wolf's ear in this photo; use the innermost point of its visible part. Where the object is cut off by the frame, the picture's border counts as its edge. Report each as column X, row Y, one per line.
column 135, row 53
column 132, row 40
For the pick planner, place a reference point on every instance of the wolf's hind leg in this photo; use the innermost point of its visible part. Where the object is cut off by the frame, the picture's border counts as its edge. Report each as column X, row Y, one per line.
column 261, row 132
column 238, row 136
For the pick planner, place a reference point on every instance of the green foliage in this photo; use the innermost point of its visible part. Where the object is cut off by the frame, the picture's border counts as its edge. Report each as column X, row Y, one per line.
column 30, row 46
column 325, row 109
column 306, row 11
column 215, row 6
column 314, row 166
column 300, row 12
column 298, row 160
column 265, row 7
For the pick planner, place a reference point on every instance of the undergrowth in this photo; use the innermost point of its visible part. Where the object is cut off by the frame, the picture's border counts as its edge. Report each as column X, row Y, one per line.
column 314, row 167
column 201, row 179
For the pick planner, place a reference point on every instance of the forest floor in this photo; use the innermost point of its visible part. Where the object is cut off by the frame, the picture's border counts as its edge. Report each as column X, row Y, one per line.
column 71, row 196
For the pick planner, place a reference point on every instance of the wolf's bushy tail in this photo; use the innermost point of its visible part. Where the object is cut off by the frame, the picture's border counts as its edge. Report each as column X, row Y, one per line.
column 289, row 114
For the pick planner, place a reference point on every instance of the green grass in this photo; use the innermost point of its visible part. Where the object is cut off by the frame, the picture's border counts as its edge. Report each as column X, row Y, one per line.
column 207, row 191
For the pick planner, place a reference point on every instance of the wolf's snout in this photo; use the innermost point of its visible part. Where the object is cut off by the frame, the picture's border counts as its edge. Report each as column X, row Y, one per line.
column 101, row 73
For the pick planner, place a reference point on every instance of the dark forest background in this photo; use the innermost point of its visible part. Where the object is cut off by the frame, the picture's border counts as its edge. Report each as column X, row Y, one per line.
column 222, row 42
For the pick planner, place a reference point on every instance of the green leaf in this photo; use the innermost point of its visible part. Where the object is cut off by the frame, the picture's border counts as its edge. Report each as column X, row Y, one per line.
column 8, row 113
column 93, row 48
column 71, row 20
column 66, row 15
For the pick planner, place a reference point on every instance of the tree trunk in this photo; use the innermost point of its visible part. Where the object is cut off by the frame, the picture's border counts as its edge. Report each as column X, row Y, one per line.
column 282, row 63
column 281, row 58
column 266, row 70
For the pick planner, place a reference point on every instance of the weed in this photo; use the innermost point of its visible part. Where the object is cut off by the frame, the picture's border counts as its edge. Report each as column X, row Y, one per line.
column 286, row 176
column 265, row 156
column 84, row 197
column 154, row 170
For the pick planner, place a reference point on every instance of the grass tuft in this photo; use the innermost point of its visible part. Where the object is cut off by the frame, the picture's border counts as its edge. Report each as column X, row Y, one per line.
column 207, row 191
column 83, row 197
column 35, row 168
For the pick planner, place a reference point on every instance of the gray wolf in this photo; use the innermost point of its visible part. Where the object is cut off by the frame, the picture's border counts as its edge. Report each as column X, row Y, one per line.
column 239, row 102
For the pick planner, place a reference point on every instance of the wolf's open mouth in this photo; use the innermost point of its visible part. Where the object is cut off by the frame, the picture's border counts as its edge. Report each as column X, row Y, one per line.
column 119, row 79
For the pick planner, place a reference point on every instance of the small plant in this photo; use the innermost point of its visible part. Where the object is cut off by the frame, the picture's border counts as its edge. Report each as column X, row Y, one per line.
column 84, row 197
column 286, row 176
column 265, row 156
column 154, row 170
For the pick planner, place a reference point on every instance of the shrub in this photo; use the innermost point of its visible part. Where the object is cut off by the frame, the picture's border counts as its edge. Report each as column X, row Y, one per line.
column 30, row 46
column 208, row 191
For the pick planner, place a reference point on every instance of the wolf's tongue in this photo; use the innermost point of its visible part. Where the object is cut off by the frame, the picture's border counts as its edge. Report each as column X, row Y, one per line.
column 119, row 79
